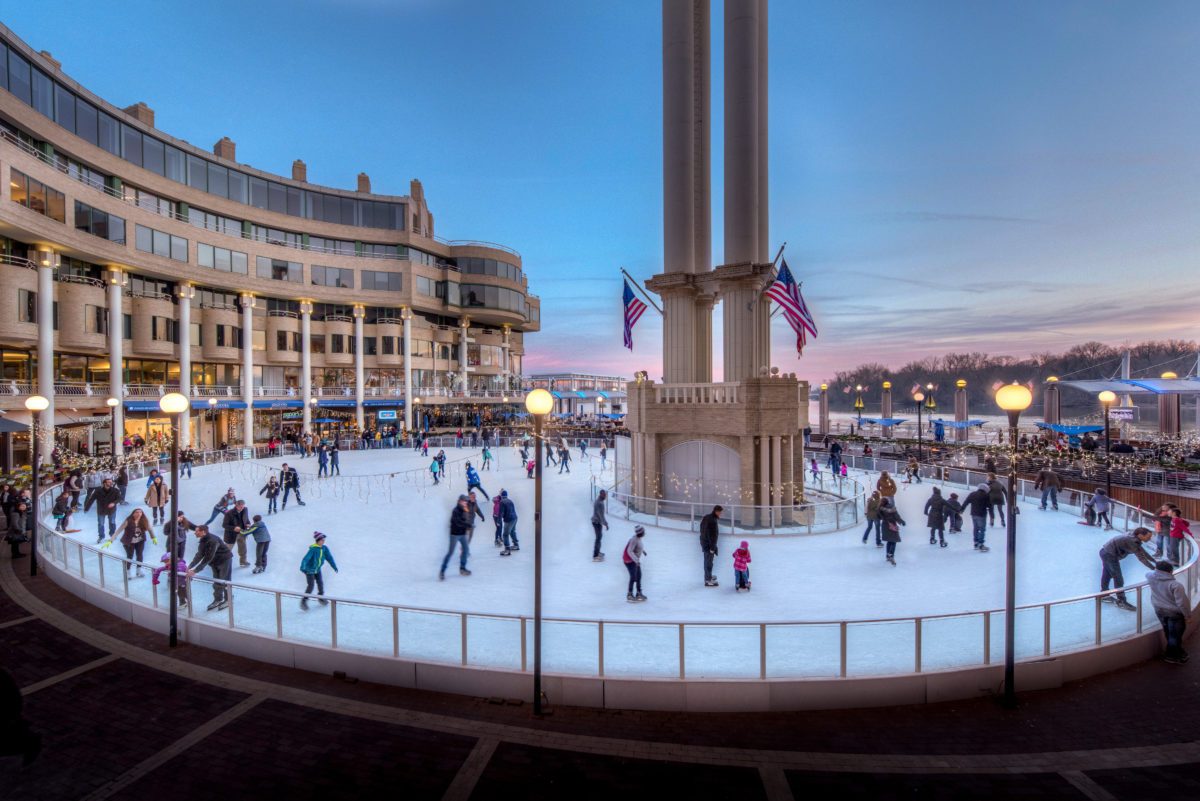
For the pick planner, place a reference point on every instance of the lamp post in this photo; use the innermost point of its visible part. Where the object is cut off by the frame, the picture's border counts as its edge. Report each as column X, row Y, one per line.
column 113, row 403
column 918, row 396
column 212, row 415
column 930, row 403
column 1107, row 399
column 174, row 405
column 313, row 403
column 36, row 404
column 1014, row 399
column 858, row 404
column 538, row 403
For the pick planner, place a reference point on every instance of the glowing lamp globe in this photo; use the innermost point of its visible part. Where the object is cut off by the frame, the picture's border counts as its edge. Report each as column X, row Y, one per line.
column 960, row 383
column 539, row 402
column 1014, row 398
column 36, row 403
column 918, row 396
column 173, row 403
column 212, row 402
column 887, row 384
column 1107, row 397
column 113, row 403
column 1170, row 374
column 858, row 388
column 824, row 387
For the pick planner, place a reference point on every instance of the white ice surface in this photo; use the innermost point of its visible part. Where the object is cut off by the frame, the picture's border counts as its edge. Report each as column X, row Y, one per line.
column 390, row 552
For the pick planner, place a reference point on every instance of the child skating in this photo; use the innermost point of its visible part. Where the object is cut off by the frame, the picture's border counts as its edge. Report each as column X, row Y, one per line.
column 633, row 563
column 318, row 554
column 741, row 568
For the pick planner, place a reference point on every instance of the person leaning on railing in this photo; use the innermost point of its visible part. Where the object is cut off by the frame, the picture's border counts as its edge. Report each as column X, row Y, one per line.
column 1111, row 555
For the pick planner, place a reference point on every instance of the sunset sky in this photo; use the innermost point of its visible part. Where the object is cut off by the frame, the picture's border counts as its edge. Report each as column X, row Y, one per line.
column 999, row 176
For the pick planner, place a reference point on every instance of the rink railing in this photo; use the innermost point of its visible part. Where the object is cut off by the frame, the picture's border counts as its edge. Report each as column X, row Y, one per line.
column 811, row 517
column 642, row 649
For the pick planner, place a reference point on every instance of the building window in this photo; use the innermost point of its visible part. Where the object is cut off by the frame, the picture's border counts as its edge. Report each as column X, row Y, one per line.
column 316, row 343
column 99, row 223
column 26, row 306
column 337, row 343
column 373, row 279
column 224, row 259
column 279, row 270
column 332, row 276
column 258, row 339
column 369, row 346
column 160, row 243
column 195, row 334
column 126, row 326
column 387, row 345
column 164, row 329
column 427, row 286
column 95, row 319
column 36, row 196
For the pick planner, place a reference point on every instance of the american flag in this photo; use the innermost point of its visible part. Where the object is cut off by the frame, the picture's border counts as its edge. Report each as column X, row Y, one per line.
column 633, row 312
column 786, row 292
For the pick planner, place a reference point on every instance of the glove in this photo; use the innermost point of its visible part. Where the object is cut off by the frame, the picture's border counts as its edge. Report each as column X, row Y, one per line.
column 105, row 545
column 154, row 540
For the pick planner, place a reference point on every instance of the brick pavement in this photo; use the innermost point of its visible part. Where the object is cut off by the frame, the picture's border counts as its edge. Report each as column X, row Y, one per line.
column 103, row 722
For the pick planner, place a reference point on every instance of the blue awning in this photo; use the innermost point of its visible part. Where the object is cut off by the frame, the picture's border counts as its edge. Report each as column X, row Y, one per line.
column 337, row 404
column 384, row 402
column 957, row 424
column 557, row 395
column 278, row 404
column 221, row 404
column 152, row 406
column 884, row 421
column 1069, row 430
column 580, row 394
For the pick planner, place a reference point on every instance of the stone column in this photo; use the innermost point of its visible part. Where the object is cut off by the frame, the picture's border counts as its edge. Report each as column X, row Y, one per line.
column 885, row 406
column 764, row 476
column 47, row 262
column 740, row 310
column 1050, row 404
column 248, row 369
column 116, row 355
column 764, row 217
column 702, row 372
column 406, row 315
column 679, row 335
column 184, row 294
column 306, row 308
column 823, row 409
column 359, row 312
column 505, row 363
column 744, row 88
column 463, row 328
column 961, row 413
column 777, row 477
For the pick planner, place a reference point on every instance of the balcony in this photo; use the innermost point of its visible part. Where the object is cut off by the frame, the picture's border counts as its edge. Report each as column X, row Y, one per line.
column 713, row 393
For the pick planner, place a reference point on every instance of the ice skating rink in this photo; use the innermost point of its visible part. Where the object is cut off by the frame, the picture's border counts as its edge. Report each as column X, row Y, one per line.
column 387, row 527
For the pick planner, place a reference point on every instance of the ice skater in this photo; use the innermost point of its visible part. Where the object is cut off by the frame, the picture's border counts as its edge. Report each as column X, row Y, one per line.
column 892, row 521
column 435, row 470
column 473, row 481
column 290, row 480
column 508, row 514
column 222, row 504
column 271, row 490
column 213, row 553
column 62, row 511
column 1179, row 527
column 953, row 512
column 1111, row 555
column 135, row 530
column 106, row 498
column 262, row 542
column 708, row 543
column 1100, row 503
column 978, row 502
column 815, row 469
column 599, row 522
column 872, row 515
column 180, row 576
column 461, row 523
column 487, row 458
column 935, row 517
column 335, row 466
column 997, row 499
column 322, row 460
column 632, row 558
column 741, row 568
column 318, row 554
column 564, row 460
column 157, row 496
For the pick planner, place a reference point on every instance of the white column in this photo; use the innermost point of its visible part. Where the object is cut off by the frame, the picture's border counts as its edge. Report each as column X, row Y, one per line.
column 463, row 328
column 679, row 336
column 45, row 348
column 248, row 369
column 185, row 294
column 742, row 139
column 406, row 315
column 506, row 365
column 116, row 354
column 777, row 475
column 679, row 90
column 764, row 217
column 358, row 366
column 764, row 474
column 306, row 362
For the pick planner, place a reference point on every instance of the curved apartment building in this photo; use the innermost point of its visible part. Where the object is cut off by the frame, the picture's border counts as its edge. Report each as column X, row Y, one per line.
column 267, row 300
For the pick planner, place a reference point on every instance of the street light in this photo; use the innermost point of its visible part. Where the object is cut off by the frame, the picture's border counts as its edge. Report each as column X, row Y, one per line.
column 113, row 403
column 1014, row 399
column 174, row 404
column 212, row 416
column 538, row 403
column 1107, row 399
column 858, row 404
column 930, row 403
column 918, row 396
column 36, row 404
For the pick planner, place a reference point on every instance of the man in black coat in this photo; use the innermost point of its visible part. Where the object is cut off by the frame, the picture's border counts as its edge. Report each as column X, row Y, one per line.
column 212, row 552
column 176, row 532
column 236, row 521
column 289, row 479
column 106, row 499
column 708, row 543
column 979, row 502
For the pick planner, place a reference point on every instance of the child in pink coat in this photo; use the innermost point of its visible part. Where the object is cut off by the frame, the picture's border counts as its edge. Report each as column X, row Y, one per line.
column 181, row 570
column 741, row 568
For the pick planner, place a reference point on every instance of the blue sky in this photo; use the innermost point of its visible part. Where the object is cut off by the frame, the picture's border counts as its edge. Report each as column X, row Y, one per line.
column 999, row 176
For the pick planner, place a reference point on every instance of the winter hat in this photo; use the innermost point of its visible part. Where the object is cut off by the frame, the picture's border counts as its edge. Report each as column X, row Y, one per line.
column 503, row 493
column 954, row 495
column 937, row 491
column 1101, row 491
column 639, row 531
column 983, row 486
column 318, row 536
column 463, row 498
column 745, row 544
column 1164, row 566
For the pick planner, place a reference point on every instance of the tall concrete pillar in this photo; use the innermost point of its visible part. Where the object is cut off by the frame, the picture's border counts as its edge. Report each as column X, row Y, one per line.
column 406, row 315
column 885, row 406
column 744, row 24
column 116, row 355
column 46, row 264
column 306, row 308
column 679, row 335
column 359, row 312
column 505, row 364
column 1050, row 403
column 463, row 329
column 184, row 293
column 823, row 409
column 702, row 372
column 961, row 413
column 741, row 311
column 764, row 217
column 248, row 370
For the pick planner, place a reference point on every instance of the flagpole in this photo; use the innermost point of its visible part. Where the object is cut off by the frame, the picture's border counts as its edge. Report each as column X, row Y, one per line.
column 640, row 290
column 770, row 280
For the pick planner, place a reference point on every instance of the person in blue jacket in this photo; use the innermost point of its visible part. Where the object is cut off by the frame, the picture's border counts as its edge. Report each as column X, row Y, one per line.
column 473, row 481
column 318, row 554
column 322, row 461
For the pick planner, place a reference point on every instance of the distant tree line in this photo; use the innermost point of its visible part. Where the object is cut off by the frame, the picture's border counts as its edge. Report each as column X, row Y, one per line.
column 983, row 372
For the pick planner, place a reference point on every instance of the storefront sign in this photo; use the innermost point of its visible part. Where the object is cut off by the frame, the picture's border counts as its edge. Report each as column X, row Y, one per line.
column 386, row 414
column 293, row 415
column 1124, row 414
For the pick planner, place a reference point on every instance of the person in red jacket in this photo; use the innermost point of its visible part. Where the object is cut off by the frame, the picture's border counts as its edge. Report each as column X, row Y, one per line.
column 1179, row 527
column 741, row 568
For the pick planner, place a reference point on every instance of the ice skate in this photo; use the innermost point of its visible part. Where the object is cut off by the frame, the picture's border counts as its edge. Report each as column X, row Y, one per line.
column 933, row 540
column 629, row 597
column 1123, row 604
column 462, row 571
column 943, row 543
column 515, row 547
column 639, row 597
column 984, row 549
column 506, row 552
column 304, row 604
column 442, row 576
column 599, row 558
column 222, row 605
column 213, row 605
column 891, row 560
